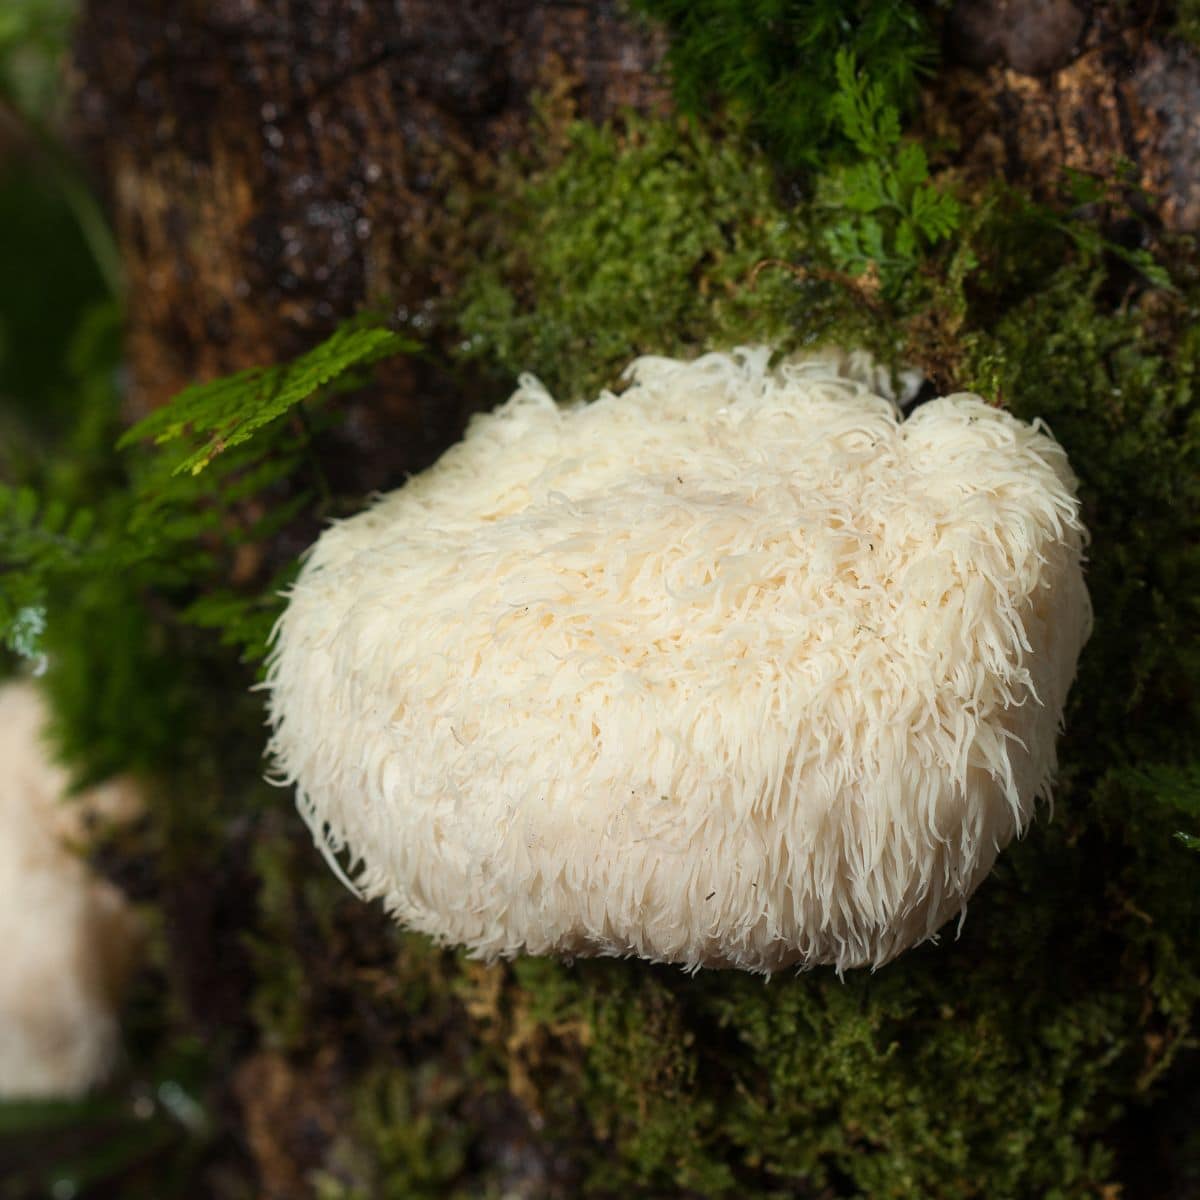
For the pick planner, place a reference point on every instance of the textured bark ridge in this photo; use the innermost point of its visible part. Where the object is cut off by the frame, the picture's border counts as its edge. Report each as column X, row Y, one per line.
column 1044, row 86
column 272, row 168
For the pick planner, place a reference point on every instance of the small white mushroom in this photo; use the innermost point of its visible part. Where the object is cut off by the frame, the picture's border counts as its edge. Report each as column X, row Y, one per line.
column 737, row 668
column 68, row 937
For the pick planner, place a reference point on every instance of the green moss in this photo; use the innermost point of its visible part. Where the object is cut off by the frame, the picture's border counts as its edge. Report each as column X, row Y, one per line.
column 643, row 238
column 1125, row 406
column 959, row 1073
column 990, row 1066
column 282, row 1002
column 643, row 1089
column 654, row 238
column 404, row 1142
column 1187, row 20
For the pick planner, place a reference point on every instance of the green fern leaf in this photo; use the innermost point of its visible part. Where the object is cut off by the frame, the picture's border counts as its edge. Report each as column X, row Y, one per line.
column 935, row 214
column 910, row 172
column 870, row 123
column 229, row 411
column 883, row 210
column 37, row 545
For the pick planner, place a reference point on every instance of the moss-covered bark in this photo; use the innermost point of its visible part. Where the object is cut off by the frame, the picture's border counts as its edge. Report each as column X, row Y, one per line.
column 285, row 1040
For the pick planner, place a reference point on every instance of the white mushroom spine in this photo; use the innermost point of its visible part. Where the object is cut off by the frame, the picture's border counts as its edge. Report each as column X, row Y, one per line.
column 737, row 668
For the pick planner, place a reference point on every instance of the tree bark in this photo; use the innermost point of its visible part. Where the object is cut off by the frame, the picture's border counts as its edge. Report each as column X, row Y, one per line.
column 273, row 167
column 1036, row 88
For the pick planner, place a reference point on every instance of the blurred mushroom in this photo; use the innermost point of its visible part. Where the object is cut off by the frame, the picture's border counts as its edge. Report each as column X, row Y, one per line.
column 69, row 937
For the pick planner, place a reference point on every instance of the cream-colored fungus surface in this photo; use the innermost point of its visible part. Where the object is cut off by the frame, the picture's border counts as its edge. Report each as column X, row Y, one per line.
column 737, row 668
column 67, row 938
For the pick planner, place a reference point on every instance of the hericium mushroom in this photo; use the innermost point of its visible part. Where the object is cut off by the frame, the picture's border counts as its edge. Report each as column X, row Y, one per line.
column 736, row 668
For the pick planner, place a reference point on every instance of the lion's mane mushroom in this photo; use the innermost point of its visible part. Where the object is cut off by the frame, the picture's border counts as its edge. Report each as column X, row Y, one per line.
column 737, row 668
column 68, row 937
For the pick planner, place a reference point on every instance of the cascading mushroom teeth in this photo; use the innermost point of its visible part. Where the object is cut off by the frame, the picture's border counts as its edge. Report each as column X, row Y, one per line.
column 737, row 668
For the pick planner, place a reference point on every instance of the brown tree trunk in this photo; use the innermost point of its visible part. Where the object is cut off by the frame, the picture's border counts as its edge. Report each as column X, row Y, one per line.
column 273, row 167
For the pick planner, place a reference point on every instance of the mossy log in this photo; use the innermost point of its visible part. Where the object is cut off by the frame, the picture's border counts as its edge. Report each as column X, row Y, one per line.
column 273, row 168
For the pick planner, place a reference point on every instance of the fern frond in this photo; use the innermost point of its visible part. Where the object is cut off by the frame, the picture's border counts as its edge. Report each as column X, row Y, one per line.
column 776, row 64
column 37, row 543
column 869, row 121
column 883, row 211
column 31, row 531
column 169, row 528
column 243, row 621
column 229, row 411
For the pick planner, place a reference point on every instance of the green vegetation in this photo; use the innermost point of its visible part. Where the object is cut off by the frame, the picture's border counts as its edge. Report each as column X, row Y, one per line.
column 642, row 237
column 661, row 237
column 225, row 413
column 147, row 524
column 33, row 35
column 773, row 63
column 882, row 212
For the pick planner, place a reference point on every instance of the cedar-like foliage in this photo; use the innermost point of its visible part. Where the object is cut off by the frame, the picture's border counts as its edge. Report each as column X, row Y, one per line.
column 225, row 413
column 166, row 524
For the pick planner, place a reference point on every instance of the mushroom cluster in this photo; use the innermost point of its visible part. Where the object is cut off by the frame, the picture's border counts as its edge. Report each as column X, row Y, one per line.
column 69, row 937
column 736, row 668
